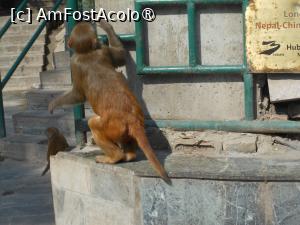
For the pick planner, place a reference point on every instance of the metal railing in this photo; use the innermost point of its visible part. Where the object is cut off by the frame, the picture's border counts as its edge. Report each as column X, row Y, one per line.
column 249, row 124
column 19, row 58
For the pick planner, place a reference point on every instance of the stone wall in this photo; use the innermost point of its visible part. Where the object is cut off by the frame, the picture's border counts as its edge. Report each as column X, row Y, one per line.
column 204, row 191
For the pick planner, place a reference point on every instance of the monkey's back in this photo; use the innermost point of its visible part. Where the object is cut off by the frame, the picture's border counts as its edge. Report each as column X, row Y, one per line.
column 106, row 89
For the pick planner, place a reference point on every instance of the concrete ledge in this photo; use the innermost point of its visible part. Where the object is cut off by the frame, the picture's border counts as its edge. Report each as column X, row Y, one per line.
column 205, row 190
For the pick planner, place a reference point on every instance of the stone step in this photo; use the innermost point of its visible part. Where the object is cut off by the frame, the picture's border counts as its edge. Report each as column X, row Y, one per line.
column 34, row 122
column 9, row 127
column 20, row 39
column 61, row 60
column 24, row 147
column 29, row 196
column 14, row 101
column 39, row 100
column 22, row 83
column 24, row 29
column 3, row 20
column 23, row 70
column 35, row 59
column 13, row 95
column 56, row 79
column 42, row 4
column 44, row 219
column 10, row 49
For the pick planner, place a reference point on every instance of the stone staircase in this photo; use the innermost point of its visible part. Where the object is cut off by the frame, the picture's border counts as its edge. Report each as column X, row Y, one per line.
column 25, row 196
column 27, row 74
column 31, row 88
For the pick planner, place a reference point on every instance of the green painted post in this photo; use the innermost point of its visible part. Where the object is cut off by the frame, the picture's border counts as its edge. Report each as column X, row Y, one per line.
column 247, row 77
column 248, row 96
column 139, row 40
column 193, row 51
column 2, row 118
column 78, row 110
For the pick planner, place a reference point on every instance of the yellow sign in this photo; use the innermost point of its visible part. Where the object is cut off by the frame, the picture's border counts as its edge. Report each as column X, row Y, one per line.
column 273, row 36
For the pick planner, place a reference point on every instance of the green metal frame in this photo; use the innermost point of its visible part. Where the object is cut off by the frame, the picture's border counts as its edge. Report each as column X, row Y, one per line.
column 246, row 125
column 194, row 67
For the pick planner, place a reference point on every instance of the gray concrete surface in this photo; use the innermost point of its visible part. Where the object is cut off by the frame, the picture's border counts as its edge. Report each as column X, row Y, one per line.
column 25, row 196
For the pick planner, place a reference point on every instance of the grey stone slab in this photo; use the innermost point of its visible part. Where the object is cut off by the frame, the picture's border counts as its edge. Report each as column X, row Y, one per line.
column 204, row 191
column 106, row 212
column 284, row 87
column 196, row 202
column 34, row 122
column 196, row 166
column 220, row 32
column 24, row 147
column 205, row 97
column 112, row 186
column 26, row 210
column 40, row 219
column 285, row 205
column 68, row 206
column 168, row 37
column 61, row 59
column 5, row 220
column 246, row 144
column 26, row 199
column 55, row 79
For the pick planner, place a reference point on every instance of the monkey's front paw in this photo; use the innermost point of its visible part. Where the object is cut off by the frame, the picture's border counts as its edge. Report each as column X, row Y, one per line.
column 105, row 25
column 105, row 159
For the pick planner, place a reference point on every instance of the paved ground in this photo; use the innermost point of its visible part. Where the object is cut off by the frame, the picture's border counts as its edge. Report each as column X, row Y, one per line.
column 25, row 196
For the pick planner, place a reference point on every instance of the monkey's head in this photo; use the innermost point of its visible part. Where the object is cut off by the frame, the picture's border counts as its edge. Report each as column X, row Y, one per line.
column 51, row 131
column 83, row 38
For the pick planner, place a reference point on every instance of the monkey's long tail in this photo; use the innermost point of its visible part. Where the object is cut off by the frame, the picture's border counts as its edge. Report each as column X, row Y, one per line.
column 138, row 132
column 46, row 169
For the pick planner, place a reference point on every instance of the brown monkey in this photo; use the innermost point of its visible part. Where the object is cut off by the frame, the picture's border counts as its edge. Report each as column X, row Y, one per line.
column 56, row 143
column 119, row 120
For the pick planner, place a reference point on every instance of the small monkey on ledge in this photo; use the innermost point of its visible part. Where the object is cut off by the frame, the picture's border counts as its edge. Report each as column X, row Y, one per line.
column 56, row 143
column 119, row 120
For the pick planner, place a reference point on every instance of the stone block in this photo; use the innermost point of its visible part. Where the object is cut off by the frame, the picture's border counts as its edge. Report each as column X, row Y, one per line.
column 61, row 59
column 212, row 190
column 284, row 87
column 220, row 31
column 245, row 144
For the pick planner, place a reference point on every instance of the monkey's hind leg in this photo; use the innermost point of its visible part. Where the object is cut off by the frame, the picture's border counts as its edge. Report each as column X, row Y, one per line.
column 113, row 153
